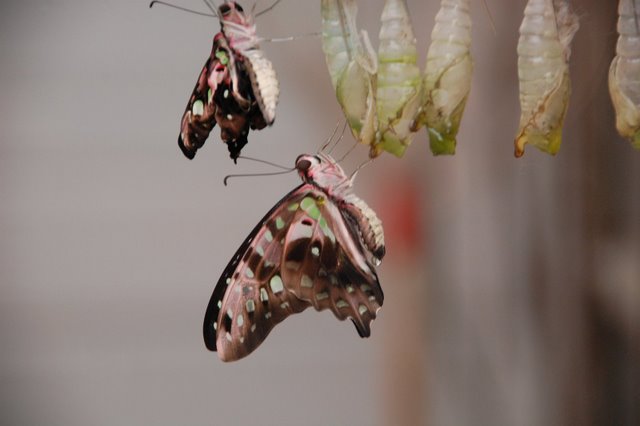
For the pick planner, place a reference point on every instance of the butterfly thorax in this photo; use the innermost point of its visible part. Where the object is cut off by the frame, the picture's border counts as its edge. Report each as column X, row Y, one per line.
column 323, row 172
column 238, row 28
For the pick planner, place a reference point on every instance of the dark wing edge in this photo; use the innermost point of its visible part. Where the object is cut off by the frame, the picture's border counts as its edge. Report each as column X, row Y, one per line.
column 213, row 311
column 199, row 116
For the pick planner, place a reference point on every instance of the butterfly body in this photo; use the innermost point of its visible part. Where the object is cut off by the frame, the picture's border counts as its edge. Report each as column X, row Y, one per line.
column 237, row 88
column 309, row 250
column 240, row 30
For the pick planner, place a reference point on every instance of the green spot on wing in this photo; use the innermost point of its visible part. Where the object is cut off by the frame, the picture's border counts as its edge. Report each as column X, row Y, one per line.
column 322, row 222
column 198, row 108
column 314, row 212
column 293, row 207
column 222, row 56
column 326, row 230
column 307, row 203
column 209, row 95
column 279, row 223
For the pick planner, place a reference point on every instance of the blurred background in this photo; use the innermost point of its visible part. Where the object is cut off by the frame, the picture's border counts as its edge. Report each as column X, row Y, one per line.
column 512, row 286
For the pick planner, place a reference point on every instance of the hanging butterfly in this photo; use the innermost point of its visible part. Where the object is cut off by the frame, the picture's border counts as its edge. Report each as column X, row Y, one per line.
column 237, row 87
column 316, row 247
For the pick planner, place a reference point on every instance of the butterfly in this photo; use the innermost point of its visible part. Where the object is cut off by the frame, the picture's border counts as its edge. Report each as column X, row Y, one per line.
column 318, row 246
column 237, row 87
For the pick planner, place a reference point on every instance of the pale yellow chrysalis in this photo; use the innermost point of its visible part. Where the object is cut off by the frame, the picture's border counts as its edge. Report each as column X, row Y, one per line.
column 352, row 66
column 624, row 74
column 447, row 76
column 543, row 71
column 398, row 84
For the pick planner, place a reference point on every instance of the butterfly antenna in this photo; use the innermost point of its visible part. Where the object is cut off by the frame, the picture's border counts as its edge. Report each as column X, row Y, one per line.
column 227, row 177
column 184, row 9
column 262, row 12
column 348, row 152
column 328, row 141
column 290, row 38
column 344, row 127
column 212, row 7
column 355, row 172
column 265, row 162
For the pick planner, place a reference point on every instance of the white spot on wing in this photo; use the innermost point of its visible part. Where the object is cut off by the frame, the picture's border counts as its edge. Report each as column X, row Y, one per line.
column 250, row 305
column 263, row 295
column 341, row 304
column 276, row 284
column 305, row 281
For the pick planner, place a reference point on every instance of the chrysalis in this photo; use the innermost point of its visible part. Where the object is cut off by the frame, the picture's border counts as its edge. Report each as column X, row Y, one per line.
column 352, row 66
column 447, row 76
column 624, row 74
column 543, row 70
column 399, row 84
column 379, row 93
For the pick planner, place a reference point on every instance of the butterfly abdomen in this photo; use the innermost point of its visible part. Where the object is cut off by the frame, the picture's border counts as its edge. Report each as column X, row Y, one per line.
column 368, row 224
column 264, row 83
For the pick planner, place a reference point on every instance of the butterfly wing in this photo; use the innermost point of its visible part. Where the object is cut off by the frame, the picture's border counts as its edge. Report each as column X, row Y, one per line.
column 199, row 116
column 303, row 253
column 237, row 110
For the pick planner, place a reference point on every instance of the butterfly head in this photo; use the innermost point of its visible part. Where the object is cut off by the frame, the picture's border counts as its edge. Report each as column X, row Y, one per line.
column 323, row 171
column 229, row 10
column 238, row 27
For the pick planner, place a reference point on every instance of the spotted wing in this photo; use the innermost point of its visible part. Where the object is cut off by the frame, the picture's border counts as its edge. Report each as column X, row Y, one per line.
column 303, row 253
column 199, row 116
column 237, row 110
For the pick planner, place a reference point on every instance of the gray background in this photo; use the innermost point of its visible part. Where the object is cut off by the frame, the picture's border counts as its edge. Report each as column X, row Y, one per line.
column 519, row 307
